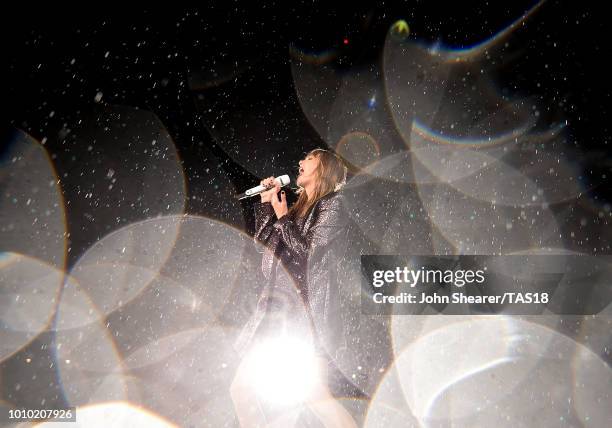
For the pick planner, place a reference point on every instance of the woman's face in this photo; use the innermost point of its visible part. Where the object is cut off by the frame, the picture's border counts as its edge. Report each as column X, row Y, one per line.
column 307, row 170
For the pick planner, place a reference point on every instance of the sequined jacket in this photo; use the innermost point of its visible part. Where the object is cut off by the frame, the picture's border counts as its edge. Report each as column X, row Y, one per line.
column 299, row 264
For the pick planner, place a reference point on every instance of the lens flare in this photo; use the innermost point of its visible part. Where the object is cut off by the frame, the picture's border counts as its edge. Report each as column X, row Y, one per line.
column 283, row 370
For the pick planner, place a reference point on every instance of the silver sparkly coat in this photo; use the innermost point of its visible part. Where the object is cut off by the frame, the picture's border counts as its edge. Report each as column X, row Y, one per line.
column 300, row 266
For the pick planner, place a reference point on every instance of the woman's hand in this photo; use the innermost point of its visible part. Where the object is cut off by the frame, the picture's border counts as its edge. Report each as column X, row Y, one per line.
column 267, row 195
column 280, row 207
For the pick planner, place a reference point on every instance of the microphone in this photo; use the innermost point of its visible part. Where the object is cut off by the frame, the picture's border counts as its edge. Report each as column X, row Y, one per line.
column 283, row 180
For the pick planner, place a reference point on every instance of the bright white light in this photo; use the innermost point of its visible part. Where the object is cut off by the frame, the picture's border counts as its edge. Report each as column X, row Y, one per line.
column 283, row 370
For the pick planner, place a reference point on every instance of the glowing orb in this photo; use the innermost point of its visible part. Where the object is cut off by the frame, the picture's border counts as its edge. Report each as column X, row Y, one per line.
column 401, row 28
column 283, row 370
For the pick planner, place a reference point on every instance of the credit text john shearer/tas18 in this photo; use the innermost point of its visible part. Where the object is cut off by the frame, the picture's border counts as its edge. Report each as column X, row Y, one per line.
column 435, row 298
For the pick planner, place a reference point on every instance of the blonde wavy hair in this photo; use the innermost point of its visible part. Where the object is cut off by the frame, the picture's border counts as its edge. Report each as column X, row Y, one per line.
column 330, row 176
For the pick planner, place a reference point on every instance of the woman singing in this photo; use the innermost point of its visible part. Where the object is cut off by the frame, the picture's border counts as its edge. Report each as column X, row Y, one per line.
column 303, row 245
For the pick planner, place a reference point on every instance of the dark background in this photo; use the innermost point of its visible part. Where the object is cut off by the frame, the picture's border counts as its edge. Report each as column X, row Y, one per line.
column 56, row 62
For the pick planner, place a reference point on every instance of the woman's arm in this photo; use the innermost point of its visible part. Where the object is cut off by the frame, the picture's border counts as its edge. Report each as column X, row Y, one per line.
column 264, row 212
column 330, row 220
column 264, row 219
